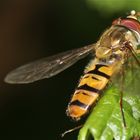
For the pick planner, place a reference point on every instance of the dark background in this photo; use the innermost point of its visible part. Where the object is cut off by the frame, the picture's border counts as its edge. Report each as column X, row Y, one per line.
column 33, row 29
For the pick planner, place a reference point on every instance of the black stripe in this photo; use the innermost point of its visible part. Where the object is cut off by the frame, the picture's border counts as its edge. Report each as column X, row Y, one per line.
column 81, row 92
column 87, row 76
column 96, row 71
column 90, row 75
column 95, row 78
column 78, row 103
column 86, row 87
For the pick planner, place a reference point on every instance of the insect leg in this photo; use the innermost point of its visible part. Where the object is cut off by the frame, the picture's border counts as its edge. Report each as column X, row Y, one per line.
column 71, row 130
column 121, row 96
column 128, row 45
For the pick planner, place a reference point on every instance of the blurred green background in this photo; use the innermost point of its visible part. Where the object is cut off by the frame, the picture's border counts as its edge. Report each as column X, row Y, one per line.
column 33, row 29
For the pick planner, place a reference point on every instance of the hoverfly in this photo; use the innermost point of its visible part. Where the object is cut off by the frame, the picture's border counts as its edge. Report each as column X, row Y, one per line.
column 112, row 50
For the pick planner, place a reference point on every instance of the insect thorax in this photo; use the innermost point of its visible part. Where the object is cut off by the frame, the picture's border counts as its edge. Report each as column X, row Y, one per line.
column 111, row 46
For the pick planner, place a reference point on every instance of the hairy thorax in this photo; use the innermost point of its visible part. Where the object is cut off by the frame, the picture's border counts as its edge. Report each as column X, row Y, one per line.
column 112, row 45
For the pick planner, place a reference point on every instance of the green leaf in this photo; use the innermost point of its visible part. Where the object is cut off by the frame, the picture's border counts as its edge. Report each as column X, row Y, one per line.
column 105, row 121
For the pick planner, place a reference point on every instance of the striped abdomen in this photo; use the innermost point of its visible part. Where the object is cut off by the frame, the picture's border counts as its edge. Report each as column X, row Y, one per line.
column 89, row 88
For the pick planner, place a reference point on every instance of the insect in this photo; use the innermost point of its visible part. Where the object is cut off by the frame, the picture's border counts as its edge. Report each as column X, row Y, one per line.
column 111, row 53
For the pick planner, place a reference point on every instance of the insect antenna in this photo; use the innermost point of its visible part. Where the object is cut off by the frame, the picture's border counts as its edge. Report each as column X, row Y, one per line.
column 71, row 130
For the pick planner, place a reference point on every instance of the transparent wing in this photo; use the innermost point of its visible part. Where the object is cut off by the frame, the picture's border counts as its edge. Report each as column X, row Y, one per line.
column 130, row 72
column 47, row 67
